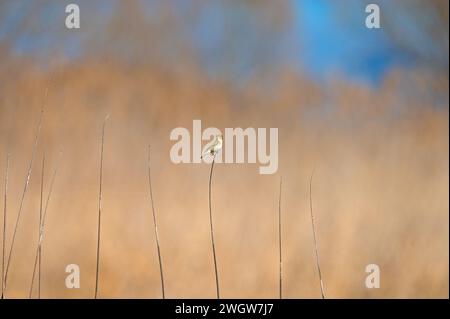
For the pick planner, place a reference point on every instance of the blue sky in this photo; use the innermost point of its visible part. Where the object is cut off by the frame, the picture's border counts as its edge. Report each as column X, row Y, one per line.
column 325, row 38
column 332, row 45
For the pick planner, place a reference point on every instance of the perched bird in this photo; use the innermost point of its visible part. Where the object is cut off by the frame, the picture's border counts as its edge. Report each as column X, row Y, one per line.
column 214, row 148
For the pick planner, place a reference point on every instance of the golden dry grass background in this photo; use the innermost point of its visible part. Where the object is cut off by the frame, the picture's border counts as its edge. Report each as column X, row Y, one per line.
column 380, row 189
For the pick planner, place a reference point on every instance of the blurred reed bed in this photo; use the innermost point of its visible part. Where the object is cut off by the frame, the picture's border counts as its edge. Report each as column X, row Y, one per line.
column 380, row 183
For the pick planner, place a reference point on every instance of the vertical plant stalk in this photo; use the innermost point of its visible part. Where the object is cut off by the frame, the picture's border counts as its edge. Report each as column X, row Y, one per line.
column 38, row 255
column 279, row 240
column 212, row 229
column 99, row 208
column 314, row 237
column 5, row 200
column 40, row 226
column 41, row 229
column 155, row 227
column 27, row 182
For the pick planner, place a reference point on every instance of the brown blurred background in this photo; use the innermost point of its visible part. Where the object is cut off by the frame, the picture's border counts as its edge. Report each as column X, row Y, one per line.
column 378, row 140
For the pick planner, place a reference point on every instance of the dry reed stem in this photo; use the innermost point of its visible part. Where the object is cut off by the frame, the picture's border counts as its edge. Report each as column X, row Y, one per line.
column 40, row 225
column 27, row 182
column 5, row 200
column 43, row 216
column 322, row 290
column 155, row 227
column 38, row 255
column 100, row 208
column 212, row 230
column 279, row 240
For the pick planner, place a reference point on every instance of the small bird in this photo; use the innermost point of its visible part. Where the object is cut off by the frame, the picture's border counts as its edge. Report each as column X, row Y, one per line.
column 214, row 148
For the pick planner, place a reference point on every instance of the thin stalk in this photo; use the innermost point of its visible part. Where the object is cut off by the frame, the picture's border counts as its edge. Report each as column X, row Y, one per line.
column 27, row 182
column 322, row 290
column 4, row 224
column 155, row 227
column 99, row 208
column 38, row 255
column 279, row 240
column 212, row 229
column 42, row 225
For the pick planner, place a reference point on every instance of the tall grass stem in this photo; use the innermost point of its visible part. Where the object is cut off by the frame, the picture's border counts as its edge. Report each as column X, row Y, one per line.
column 212, row 229
column 316, row 250
column 43, row 217
column 279, row 241
column 155, row 227
column 5, row 201
column 22, row 199
column 99, row 208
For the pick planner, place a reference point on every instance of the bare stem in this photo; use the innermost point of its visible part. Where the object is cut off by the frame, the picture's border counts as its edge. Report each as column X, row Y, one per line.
column 27, row 182
column 99, row 208
column 34, row 272
column 40, row 225
column 212, row 229
column 155, row 227
column 41, row 229
column 4, row 224
column 38, row 255
column 314, row 237
column 279, row 239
